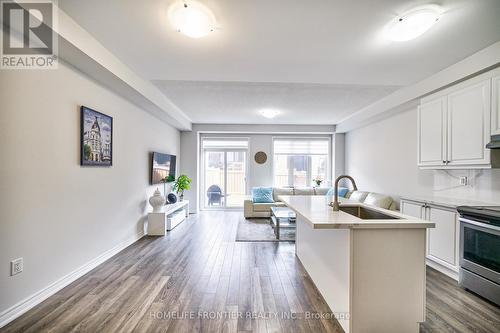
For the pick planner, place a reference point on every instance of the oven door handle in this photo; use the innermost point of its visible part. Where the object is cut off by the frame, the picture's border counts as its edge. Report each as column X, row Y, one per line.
column 479, row 224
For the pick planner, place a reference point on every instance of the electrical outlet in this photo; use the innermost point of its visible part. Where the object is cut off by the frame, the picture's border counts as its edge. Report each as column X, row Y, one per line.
column 464, row 181
column 16, row 266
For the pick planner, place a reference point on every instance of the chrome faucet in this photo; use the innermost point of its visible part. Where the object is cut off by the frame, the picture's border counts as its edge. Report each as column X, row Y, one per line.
column 335, row 203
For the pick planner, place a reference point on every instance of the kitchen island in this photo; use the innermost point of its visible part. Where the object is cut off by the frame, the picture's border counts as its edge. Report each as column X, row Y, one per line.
column 368, row 263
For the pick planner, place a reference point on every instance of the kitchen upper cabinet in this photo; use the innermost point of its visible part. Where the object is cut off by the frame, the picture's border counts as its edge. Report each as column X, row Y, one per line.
column 432, row 132
column 469, row 125
column 455, row 124
column 443, row 239
column 495, row 109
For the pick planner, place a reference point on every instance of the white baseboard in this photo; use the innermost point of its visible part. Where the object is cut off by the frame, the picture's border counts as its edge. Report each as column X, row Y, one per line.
column 23, row 306
column 443, row 269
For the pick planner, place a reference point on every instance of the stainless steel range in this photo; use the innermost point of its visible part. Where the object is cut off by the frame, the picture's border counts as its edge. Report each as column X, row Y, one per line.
column 480, row 251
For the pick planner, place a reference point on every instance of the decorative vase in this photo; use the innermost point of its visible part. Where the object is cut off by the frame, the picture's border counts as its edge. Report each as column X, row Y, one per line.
column 157, row 201
column 181, row 196
column 172, row 198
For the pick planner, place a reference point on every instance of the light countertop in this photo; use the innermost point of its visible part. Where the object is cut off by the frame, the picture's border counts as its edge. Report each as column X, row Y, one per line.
column 316, row 211
column 446, row 202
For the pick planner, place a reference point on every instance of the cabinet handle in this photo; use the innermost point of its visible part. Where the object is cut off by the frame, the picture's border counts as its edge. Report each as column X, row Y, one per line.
column 444, row 162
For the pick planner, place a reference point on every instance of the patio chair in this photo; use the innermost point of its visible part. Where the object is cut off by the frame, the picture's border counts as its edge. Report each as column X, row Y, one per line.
column 214, row 194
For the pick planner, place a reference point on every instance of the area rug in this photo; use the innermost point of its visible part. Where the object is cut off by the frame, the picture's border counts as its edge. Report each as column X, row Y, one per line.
column 260, row 230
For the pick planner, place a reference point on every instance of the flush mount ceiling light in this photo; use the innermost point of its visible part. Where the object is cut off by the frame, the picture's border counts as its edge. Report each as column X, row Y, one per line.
column 191, row 18
column 413, row 23
column 269, row 113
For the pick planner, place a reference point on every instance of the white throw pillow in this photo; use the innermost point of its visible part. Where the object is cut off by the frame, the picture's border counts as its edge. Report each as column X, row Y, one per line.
column 358, row 196
column 378, row 200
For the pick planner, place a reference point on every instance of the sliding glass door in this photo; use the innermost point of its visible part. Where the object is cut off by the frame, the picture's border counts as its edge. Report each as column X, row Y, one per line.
column 224, row 173
column 214, row 175
column 235, row 178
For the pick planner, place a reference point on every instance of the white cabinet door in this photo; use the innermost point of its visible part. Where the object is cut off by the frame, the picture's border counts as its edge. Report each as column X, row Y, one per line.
column 412, row 209
column 469, row 125
column 443, row 239
column 432, row 133
column 495, row 110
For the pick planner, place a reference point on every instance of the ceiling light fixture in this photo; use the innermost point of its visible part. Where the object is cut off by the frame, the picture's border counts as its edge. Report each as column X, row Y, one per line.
column 269, row 113
column 413, row 23
column 191, row 18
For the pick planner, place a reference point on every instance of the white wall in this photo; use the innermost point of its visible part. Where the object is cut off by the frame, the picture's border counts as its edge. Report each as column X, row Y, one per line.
column 54, row 213
column 382, row 157
column 260, row 140
column 260, row 174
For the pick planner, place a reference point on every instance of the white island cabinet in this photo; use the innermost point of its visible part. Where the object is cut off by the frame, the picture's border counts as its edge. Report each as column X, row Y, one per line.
column 371, row 272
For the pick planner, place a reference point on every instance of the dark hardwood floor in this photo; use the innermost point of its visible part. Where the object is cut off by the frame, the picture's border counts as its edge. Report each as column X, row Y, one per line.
column 198, row 279
column 452, row 309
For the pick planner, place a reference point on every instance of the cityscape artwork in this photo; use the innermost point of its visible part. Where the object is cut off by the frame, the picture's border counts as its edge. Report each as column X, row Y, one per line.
column 96, row 138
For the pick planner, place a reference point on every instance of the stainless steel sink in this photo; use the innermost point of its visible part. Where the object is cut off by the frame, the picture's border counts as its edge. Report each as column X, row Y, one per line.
column 367, row 213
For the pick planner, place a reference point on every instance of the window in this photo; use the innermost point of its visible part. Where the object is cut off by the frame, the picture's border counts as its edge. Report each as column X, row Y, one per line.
column 298, row 161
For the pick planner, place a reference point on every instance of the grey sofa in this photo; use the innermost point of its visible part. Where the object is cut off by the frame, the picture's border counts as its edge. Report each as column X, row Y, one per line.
column 255, row 210
column 252, row 209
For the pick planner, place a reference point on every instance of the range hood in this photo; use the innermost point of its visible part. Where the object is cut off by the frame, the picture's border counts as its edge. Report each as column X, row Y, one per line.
column 494, row 143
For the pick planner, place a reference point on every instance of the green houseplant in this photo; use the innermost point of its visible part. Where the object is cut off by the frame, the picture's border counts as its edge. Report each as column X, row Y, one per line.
column 318, row 181
column 169, row 179
column 181, row 184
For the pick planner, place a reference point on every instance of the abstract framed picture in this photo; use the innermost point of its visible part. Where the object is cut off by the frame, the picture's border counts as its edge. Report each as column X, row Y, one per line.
column 96, row 138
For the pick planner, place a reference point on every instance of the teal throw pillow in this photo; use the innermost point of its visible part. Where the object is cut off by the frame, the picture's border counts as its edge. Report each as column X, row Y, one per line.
column 342, row 192
column 262, row 195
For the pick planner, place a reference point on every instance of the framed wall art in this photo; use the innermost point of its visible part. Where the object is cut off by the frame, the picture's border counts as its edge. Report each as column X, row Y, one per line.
column 96, row 138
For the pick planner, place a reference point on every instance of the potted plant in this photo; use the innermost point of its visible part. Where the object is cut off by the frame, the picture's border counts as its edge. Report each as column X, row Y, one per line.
column 167, row 179
column 181, row 184
column 318, row 181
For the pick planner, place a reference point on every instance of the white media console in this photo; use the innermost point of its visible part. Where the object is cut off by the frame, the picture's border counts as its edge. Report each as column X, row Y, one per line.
column 173, row 215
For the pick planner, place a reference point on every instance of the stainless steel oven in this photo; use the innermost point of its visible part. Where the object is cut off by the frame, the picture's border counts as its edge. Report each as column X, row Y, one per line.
column 480, row 251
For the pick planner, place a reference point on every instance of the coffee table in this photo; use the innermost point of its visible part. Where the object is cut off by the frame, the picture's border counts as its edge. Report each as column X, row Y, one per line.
column 282, row 217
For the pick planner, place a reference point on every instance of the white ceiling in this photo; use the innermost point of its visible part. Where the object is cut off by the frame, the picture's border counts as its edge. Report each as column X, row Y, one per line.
column 240, row 102
column 324, row 58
